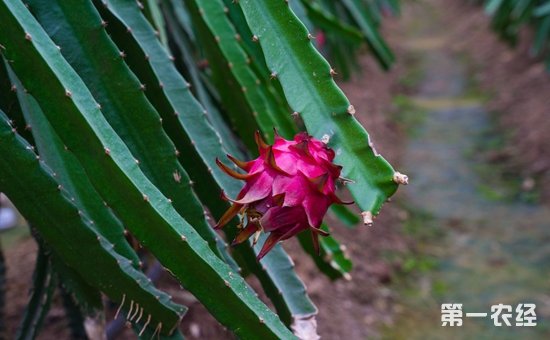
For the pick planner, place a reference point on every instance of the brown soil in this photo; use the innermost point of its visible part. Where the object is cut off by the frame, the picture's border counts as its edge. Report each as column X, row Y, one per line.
column 20, row 261
column 518, row 85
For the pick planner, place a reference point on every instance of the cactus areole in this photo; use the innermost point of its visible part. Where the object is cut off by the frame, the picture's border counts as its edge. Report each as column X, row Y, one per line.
column 287, row 190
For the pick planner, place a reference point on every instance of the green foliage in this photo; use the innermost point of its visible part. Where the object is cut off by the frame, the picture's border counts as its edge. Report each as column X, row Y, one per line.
column 43, row 287
column 75, row 318
column 509, row 16
column 312, row 92
column 32, row 187
column 122, row 145
column 332, row 259
column 344, row 24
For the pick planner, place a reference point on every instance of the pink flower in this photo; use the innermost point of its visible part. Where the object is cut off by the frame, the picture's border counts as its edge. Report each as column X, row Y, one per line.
column 288, row 189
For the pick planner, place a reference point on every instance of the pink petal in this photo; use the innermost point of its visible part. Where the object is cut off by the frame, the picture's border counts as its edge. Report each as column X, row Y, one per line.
column 315, row 207
column 287, row 161
column 280, row 219
column 271, row 241
column 258, row 188
column 309, row 168
column 257, row 166
column 294, row 188
column 275, row 237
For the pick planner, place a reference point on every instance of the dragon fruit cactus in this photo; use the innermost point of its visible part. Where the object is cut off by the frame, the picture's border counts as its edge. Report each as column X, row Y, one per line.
column 288, row 189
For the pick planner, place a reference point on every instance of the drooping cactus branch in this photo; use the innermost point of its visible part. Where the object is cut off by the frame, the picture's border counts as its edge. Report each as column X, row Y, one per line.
column 107, row 149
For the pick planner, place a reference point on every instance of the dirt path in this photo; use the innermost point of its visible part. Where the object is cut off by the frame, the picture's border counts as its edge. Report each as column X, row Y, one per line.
column 486, row 251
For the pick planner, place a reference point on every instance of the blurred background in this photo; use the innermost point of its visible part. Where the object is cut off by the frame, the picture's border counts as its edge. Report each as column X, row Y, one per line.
column 464, row 113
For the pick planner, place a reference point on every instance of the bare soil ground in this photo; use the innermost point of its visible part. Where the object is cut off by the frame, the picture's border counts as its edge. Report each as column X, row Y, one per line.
column 518, row 85
column 353, row 309
column 20, row 263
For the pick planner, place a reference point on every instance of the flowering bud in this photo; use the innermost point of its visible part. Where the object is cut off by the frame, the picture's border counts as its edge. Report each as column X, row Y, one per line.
column 288, row 189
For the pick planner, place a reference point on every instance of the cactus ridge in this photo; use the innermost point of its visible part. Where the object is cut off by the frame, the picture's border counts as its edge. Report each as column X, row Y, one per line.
column 357, row 11
column 269, row 114
column 41, row 293
column 128, row 112
column 180, row 26
column 43, row 208
column 311, row 91
column 222, row 34
column 127, row 151
column 330, row 23
column 115, row 174
column 330, row 259
column 87, row 297
column 278, row 266
column 71, row 175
